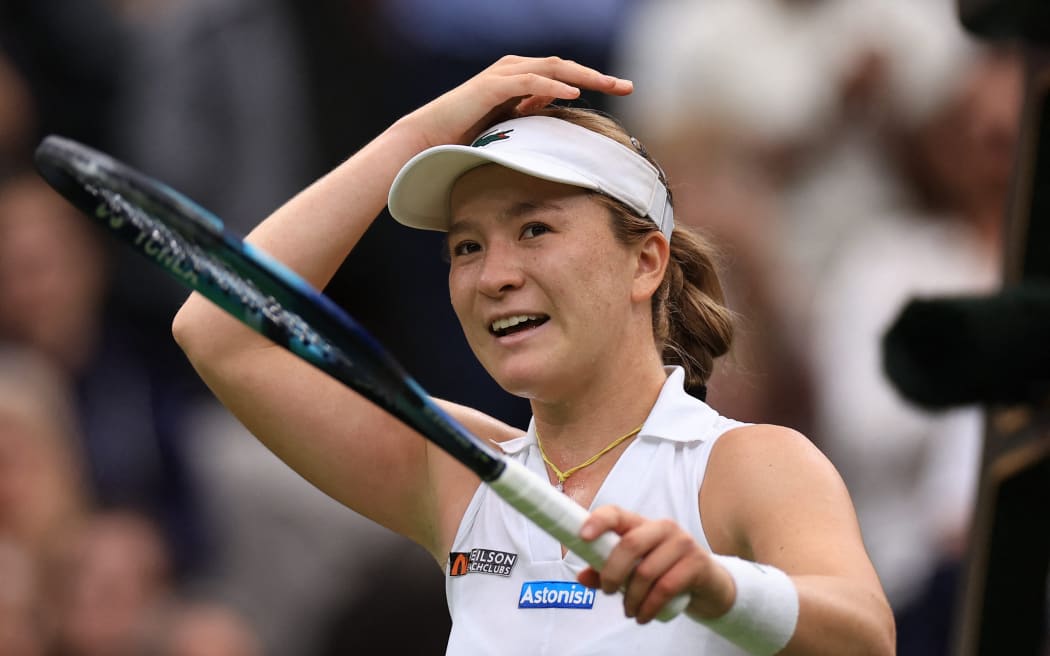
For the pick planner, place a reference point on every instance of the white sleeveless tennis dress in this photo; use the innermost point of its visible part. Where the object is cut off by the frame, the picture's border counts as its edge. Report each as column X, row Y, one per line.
column 510, row 591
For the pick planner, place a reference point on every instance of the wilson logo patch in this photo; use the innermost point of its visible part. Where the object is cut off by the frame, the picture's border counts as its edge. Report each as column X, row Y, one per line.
column 555, row 594
column 481, row 561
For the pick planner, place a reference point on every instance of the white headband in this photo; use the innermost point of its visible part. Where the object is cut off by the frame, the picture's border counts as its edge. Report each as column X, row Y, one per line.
column 540, row 146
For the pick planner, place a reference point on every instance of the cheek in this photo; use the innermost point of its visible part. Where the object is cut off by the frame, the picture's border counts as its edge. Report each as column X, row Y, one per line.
column 601, row 276
column 459, row 293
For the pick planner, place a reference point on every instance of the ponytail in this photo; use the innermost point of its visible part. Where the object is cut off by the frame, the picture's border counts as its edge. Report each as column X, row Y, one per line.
column 690, row 318
column 691, row 323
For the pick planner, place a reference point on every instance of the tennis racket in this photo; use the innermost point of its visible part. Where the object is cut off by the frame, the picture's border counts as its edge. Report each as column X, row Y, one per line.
column 195, row 248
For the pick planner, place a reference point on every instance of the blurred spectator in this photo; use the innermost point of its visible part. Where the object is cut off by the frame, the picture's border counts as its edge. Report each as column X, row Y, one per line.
column 912, row 473
column 909, row 60
column 201, row 628
column 52, row 274
column 773, row 120
column 70, row 54
column 214, row 105
column 113, row 594
column 22, row 620
column 42, row 492
column 129, row 391
column 480, row 31
column 17, row 116
column 111, row 580
column 73, row 581
column 310, row 576
column 42, row 473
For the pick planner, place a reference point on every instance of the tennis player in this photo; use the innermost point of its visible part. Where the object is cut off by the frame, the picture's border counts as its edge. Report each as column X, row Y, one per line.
column 576, row 291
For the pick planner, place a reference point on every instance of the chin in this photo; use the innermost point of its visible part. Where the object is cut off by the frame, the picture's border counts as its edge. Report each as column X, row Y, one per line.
column 524, row 381
column 524, row 387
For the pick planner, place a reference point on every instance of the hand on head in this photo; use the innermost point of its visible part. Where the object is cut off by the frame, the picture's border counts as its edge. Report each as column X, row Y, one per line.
column 513, row 86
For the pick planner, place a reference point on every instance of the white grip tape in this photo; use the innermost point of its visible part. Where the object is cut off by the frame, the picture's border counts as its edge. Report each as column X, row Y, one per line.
column 563, row 518
column 764, row 613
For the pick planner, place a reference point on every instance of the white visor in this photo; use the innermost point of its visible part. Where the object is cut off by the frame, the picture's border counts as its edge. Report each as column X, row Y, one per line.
column 540, row 146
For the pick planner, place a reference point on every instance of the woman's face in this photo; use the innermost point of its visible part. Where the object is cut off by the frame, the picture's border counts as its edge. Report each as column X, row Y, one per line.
column 51, row 269
column 540, row 285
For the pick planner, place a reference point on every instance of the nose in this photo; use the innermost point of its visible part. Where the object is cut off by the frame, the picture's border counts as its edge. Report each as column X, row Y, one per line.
column 501, row 271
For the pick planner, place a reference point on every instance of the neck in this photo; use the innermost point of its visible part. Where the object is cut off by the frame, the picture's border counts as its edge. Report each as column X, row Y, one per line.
column 606, row 407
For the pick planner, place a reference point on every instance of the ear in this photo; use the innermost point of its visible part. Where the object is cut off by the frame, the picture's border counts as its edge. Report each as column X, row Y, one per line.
column 651, row 260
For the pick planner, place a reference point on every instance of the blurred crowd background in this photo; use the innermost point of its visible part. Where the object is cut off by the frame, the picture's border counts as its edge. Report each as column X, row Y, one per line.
column 845, row 154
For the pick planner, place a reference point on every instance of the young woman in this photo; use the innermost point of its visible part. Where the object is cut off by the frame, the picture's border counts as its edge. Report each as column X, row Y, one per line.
column 576, row 291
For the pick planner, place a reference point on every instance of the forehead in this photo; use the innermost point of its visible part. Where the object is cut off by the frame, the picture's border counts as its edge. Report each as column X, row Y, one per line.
column 494, row 189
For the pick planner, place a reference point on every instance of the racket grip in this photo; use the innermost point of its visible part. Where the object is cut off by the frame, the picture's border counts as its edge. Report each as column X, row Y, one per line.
column 562, row 518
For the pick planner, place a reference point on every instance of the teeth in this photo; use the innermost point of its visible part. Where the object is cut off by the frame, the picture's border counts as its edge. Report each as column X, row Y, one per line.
column 508, row 322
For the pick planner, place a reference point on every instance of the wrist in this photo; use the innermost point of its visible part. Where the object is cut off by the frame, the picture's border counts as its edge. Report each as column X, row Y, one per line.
column 719, row 592
column 435, row 124
column 764, row 610
column 412, row 132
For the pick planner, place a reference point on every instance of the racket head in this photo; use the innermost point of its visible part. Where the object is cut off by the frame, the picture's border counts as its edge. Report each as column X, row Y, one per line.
column 193, row 245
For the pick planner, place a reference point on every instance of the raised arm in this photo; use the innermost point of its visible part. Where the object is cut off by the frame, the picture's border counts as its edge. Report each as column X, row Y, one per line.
column 334, row 438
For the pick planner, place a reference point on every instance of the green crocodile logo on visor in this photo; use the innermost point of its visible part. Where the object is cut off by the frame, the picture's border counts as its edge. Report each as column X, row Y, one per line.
column 489, row 137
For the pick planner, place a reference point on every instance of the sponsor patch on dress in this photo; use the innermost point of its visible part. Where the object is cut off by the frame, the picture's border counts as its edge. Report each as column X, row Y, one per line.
column 555, row 594
column 458, row 561
column 481, row 561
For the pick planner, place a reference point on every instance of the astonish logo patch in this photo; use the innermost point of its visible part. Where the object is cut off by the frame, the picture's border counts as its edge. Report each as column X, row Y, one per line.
column 555, row 594
column 481, row 561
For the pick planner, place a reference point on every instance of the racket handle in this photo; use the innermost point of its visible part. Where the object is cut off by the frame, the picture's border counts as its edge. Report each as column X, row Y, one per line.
column 562, row 518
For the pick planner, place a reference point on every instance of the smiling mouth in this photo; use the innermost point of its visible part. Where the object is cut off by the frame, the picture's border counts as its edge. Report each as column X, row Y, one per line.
column 516, row 324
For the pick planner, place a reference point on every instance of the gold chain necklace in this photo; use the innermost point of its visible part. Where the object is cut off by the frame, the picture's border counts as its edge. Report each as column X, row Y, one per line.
column 564, row 475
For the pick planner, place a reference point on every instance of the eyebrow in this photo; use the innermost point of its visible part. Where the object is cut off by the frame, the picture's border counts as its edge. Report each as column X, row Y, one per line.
column 515, row 211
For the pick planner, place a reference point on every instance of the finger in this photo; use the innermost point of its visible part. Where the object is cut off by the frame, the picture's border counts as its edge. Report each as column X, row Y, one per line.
column 675, row 581
column 533, row 84
column 660, row 546
column 493, row 95
column 635, row 544
column 666, row 571
column 609, row 518
column 585, row 76
column 567, row 71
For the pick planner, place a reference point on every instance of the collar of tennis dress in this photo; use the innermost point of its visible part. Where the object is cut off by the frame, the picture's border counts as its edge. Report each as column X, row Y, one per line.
column 540, row 146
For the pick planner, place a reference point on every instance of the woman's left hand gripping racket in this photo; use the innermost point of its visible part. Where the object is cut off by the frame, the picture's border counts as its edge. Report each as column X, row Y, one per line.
column 194, row 247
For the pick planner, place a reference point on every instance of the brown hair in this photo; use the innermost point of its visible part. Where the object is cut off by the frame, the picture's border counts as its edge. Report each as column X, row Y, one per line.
column 691, row 324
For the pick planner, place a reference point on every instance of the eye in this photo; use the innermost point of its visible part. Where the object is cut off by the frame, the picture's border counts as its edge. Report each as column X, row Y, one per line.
column 465, row 247
column 534, row 230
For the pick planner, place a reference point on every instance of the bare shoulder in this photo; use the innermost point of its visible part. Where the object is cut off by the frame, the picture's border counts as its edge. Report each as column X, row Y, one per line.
column 766, row 482
column 770, row 450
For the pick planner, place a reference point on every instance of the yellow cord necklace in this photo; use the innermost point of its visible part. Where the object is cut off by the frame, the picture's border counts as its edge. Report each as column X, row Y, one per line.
column 564, row 475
